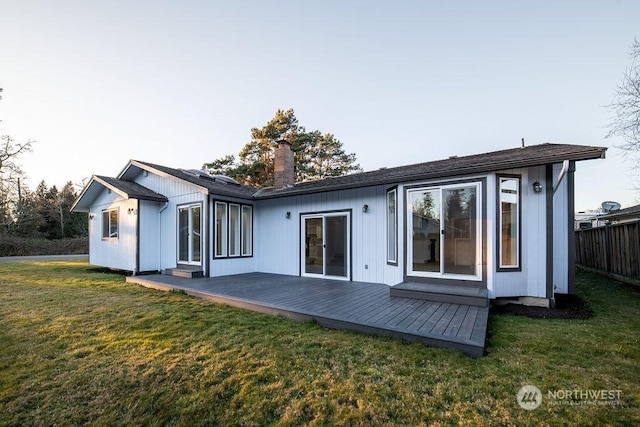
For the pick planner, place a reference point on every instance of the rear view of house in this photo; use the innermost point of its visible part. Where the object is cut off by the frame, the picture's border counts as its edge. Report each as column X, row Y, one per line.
column 499, row 223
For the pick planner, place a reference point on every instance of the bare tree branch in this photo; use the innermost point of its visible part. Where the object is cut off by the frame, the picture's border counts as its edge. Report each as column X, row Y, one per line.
column 626, row 105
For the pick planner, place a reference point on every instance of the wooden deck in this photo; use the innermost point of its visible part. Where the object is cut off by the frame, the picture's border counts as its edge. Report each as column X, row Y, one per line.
column 363, row 307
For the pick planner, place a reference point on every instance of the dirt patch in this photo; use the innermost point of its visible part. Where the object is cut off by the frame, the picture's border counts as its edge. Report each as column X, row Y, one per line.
column 567, row 307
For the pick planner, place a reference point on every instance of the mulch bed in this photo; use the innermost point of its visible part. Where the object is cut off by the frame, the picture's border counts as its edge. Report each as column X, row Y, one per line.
column 567, row 307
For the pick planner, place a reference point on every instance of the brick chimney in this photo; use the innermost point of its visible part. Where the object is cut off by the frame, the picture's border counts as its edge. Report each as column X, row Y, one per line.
column 283, row 171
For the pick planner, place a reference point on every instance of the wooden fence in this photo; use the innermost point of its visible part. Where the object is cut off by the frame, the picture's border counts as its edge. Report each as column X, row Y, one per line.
column 613, row 249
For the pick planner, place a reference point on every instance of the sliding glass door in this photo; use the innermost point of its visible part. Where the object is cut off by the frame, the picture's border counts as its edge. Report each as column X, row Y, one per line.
column 445, row 237
column 326, row 245
column 189, row 234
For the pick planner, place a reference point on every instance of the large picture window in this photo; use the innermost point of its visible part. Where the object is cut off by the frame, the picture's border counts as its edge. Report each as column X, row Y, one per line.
column 392, row 227
column 110, row 224
column 234, row 230
column 509, row 222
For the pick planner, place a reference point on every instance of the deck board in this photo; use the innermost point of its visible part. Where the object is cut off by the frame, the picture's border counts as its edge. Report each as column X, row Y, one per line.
column 363, row 307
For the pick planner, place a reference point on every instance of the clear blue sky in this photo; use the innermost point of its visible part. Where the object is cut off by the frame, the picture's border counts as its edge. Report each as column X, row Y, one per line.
column 181, row 83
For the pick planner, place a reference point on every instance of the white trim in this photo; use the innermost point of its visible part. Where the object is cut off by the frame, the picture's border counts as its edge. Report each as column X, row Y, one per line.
column 518, row 225
column 235, row 230
column 347, row 255
column 393, row 251
column 108, row 211
column 224, row 250
column 189, row 207
column 478, row 247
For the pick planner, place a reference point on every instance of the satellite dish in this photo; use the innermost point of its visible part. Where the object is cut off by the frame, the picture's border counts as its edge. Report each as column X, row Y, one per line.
column 610, row 206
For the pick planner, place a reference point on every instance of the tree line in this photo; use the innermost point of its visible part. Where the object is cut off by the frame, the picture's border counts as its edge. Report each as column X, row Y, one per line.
column 43, row 213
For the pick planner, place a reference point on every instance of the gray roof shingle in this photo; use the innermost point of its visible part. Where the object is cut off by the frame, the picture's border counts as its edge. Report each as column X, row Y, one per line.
column 214, row 186
column 132, row 189
column 533, row 155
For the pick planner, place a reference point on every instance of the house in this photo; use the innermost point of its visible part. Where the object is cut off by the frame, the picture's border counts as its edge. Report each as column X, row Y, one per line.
column 621, row 216
column 501, row 222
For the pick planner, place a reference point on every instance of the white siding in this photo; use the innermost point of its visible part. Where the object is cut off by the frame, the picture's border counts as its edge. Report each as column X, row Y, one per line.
column 235, row 265
column 277, row 241
column 560, row 233
column 117, row 253
column 179, row 193
column 149, row 235
column 531, row 279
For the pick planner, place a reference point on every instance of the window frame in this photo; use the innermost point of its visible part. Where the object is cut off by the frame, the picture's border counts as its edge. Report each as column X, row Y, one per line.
column 106, row 213
column 246, row 244
column 243, row 247
column 224, row 227
column 234, row 230
column 392, row 226
column 447, row 277
column 500, row 267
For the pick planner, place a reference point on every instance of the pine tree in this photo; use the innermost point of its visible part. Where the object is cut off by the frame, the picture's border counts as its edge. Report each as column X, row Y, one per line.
column 317, row 155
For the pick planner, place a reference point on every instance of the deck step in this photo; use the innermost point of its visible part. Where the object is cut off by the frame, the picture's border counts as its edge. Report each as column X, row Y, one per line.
column 184, row 272
column 442, row 293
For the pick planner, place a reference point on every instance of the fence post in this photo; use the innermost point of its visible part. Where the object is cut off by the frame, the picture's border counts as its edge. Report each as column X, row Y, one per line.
column 607, row 246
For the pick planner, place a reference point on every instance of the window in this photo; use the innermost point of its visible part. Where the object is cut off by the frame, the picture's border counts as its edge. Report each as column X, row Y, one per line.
column 234, row 230
column 509, row 223
column 110, row 224
column 247, row 231
column 392, row 227
column 444, row 231
column 221, row 229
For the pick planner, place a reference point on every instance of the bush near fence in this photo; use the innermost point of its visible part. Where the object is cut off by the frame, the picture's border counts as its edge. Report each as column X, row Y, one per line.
column 21, row 246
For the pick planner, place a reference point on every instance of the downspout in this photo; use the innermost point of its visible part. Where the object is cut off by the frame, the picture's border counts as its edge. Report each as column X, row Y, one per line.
column 571, row 234
column 563, row 172
column 549, row 237
column 166, row 205
column 137, row 270
column 569, row 167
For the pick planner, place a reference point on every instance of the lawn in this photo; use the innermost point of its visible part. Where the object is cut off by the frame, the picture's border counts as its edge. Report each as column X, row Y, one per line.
column 83, row 347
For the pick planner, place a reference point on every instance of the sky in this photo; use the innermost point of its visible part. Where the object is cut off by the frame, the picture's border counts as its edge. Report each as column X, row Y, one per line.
column 181, row 83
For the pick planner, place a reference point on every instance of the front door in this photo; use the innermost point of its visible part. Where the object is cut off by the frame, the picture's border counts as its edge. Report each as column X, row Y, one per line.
column 326, row 245
column 189, row 235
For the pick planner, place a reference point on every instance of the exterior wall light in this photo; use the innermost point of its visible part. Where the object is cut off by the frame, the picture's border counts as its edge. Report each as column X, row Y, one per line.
column 537, row 187
column 91, row 216
column 287, row 215
column 365, row 208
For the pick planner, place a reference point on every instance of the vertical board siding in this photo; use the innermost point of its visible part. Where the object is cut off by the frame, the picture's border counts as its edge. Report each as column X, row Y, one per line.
column 530, row 279
column 612, row 249
column 179, row 193
column 117, row 253
column 560, row 233
column 149, row 235
column 277, row 241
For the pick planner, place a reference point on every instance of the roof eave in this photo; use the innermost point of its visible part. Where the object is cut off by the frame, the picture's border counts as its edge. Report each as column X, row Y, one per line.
column 591, row 154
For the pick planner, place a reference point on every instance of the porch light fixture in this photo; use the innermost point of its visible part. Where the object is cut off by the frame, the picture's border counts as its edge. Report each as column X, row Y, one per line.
column 287, row 215
column 365, row 208
column 537, row 187
column 91, row 216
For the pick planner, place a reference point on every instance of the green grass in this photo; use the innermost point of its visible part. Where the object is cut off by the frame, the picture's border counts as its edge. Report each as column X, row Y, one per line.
column 81, row 347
